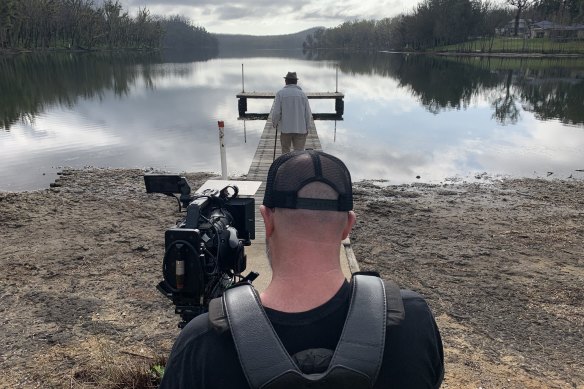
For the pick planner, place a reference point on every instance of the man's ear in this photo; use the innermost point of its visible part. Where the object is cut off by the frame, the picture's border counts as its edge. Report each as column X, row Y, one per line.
column 351, row 218
column 268, row 216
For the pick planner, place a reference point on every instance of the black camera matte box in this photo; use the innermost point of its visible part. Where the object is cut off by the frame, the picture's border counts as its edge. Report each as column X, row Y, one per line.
column 243, row 212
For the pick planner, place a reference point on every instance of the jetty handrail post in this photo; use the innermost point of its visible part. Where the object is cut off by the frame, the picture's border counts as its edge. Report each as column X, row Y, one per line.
column 337, row 80
column 242, row 82
column 221, row 125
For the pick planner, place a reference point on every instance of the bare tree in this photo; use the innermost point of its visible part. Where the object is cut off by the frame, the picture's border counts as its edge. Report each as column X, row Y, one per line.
column 521, row 5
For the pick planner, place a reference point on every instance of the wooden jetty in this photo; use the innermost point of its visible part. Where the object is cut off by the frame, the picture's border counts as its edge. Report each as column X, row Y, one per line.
column 337, row 96
column 263, row 158
column 268, row 149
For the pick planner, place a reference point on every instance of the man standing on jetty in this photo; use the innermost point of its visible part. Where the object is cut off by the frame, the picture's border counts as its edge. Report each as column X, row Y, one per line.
column 291, row 114
column 310, row 327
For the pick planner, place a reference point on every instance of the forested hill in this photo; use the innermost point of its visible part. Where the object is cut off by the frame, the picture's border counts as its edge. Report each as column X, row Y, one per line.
column 289, row 41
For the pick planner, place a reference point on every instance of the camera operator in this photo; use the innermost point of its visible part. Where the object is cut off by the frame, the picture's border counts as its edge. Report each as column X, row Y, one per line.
column 307, row 212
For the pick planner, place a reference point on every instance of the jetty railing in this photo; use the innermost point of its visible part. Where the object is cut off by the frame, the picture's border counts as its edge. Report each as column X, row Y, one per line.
column 337, row 96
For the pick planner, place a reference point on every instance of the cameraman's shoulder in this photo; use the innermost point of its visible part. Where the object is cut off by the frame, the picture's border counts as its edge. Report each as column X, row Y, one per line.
column 413, row 302
column 411, row 296
column 197, row 331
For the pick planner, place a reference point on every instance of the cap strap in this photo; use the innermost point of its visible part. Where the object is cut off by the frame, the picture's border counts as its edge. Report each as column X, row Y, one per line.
column 317, row 204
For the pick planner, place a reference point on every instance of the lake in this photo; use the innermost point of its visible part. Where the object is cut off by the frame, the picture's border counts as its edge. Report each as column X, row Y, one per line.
column 441, row 119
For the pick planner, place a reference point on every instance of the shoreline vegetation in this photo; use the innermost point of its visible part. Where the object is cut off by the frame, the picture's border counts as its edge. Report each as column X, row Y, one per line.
column 80, row 25
column 439, row 52
column 465, row 25
column 455, row 27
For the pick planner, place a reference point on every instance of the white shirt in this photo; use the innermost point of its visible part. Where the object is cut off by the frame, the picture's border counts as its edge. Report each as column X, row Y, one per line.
column 291, row 110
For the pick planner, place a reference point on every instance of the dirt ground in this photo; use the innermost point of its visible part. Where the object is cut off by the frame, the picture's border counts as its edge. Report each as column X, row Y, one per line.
column 500, row 263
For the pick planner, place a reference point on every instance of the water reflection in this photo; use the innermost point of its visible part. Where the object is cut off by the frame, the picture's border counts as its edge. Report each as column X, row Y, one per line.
column 30, row 83
column 405, row 115
column 550, row 88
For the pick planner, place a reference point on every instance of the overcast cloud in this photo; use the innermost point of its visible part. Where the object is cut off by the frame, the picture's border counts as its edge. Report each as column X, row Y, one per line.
column 270, row 17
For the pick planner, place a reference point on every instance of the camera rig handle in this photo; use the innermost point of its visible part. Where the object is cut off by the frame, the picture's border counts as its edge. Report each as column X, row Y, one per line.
column 225, row 192
column 194, row 211
column 185, row 192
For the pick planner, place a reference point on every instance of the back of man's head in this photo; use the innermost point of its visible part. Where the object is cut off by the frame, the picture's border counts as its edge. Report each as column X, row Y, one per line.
column 291, row 78
column 310, row 193
column 303, row 223
column 309, row 179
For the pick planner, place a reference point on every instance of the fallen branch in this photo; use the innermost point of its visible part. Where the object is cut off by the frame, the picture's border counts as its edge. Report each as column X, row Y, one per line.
column 137, row 354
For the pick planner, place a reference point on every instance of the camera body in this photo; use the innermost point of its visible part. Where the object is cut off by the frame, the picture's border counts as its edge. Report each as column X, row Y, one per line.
column 204, row 251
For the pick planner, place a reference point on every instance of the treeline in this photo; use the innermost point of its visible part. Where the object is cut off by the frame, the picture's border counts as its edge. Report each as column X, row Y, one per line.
column 233, row 42
column 180, row 33
column 435, row 23
column 80, row 24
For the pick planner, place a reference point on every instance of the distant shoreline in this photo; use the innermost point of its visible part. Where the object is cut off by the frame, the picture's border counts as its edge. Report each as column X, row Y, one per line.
column 496, row 54
column 12, row 51
column 510, row 55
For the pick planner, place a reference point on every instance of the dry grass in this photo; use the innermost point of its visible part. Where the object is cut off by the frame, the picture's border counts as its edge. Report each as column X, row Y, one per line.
column 111, row 369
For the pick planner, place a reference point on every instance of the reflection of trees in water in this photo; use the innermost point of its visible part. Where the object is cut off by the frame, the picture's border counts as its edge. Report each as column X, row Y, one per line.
column 553, row 98
column 505, row 104
column 550, row 88
column 30, row 83
column 441, row 84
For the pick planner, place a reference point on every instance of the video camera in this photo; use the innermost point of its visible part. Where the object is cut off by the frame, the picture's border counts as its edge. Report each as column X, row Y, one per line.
column 204, row 252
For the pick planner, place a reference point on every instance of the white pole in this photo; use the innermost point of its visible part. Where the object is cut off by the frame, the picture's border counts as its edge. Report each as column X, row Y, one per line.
column 337, row 80
column 222, row 149
column 242, row 83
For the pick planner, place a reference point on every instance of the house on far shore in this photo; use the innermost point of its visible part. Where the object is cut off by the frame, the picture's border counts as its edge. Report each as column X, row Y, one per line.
column 508, row 29
column 544, row 29
column 547, row 29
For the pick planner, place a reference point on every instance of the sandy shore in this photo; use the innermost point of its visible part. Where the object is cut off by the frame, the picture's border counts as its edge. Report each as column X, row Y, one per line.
column 501, row 264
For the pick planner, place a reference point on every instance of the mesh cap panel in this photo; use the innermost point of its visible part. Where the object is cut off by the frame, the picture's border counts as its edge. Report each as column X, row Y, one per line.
column 293, row 171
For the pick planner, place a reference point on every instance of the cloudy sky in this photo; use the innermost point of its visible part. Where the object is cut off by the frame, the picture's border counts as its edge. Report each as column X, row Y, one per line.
column 270, row 17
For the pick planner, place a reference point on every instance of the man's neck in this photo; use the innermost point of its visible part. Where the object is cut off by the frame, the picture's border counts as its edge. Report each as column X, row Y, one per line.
column 302, row 291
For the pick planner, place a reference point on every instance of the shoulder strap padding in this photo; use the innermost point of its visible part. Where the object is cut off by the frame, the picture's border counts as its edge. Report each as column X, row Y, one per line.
column 217, row 315
column 254, row 337
column 265, row 361
column 363, row 337
column 395, row 305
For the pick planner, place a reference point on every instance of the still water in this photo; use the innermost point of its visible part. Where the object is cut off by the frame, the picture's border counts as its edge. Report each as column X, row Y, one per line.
column 406, row 116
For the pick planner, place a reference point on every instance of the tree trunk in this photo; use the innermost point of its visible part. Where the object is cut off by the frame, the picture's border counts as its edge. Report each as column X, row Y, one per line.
column 517, row 21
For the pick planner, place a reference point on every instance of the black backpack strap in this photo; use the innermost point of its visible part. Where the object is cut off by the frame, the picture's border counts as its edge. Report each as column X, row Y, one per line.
column 217, row 315
column 363, row 338
column 395, row 305
column 265, row 361
column 261, row 353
